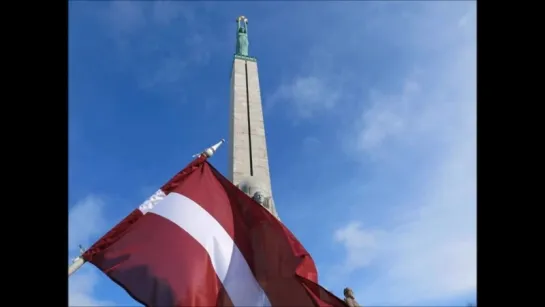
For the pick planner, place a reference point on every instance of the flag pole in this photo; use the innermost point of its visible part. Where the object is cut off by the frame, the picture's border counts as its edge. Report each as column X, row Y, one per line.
column 78, row 262
column 210, row 151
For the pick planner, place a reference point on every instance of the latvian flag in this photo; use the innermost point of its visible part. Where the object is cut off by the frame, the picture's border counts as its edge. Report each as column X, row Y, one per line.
column 200, row 241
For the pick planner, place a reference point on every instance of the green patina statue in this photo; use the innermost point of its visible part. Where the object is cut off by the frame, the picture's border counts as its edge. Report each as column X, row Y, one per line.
column 242, row 36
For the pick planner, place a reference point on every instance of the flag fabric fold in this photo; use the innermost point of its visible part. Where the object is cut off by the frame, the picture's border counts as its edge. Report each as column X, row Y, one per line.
column 200, row 241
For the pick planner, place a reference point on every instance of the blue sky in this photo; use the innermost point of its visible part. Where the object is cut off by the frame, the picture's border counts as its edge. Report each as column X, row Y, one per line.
column 370, row 111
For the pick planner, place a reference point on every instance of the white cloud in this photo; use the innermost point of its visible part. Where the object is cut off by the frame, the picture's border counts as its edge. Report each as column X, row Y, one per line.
column 86, row 223
column 311, row 143
column 308, row 94
column 424, row 132
column 467, row 18
column 126, row 17
column 385, row 118
column 164, row 12
column 81, row 286
column 426, row 250
column 360, row 245
column 157, row 42
column 429, row 256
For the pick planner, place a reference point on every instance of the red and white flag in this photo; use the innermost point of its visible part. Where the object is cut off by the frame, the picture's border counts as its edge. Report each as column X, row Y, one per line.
column 200, row 241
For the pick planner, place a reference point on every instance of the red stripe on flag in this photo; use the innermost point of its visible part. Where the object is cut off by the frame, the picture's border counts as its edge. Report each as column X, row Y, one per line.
column 185, row 275
column 280, row 261
column 112, row 236
column 274, row 255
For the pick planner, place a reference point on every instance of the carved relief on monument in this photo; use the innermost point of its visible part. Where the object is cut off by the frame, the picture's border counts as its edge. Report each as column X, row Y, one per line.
column 253, row 187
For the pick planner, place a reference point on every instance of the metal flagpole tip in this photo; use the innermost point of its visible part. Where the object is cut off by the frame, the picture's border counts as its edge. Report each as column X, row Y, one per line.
column 212, row 150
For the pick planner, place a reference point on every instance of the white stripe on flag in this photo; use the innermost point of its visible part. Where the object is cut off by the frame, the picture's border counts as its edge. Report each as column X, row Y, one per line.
column 152, row 201
column 230, row 266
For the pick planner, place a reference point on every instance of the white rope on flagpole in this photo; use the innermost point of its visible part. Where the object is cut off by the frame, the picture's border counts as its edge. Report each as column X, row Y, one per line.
column 78, row 262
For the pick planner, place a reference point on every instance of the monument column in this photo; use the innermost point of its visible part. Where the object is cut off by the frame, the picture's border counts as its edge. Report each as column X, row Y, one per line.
column 248, row 159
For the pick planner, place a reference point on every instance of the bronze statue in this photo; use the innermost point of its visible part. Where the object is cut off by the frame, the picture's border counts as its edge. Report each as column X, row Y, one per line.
column 242, row 36
column 349, row 298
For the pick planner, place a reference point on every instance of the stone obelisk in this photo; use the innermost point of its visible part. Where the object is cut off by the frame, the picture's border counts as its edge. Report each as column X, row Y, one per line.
column 248, row 159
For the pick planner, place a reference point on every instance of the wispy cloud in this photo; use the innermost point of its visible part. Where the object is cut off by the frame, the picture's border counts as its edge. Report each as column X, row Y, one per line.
column 125, row 17
column 428, row 252
column 86, row 222
column 425, row 132
column 387, row 94
column 359, row 243
column 311, row 143
column 414, row 130
column 166, row 12
column 158, row 42
column 386, row 117
column 81, row 287
column 308, row 95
